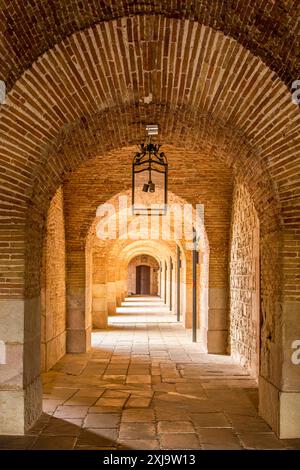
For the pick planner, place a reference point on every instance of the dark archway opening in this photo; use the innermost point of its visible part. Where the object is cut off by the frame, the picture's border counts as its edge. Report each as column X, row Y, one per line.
column 143, row 280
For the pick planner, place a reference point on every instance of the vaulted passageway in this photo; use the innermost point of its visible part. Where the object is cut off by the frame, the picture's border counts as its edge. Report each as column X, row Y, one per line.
column 82, row 81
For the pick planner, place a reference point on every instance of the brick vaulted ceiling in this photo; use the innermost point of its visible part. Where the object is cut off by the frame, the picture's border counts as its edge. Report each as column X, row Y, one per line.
column 267, row 28
column 94, row 92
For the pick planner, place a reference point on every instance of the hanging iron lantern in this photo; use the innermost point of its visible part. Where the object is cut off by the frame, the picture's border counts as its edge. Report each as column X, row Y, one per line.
column 150, row 178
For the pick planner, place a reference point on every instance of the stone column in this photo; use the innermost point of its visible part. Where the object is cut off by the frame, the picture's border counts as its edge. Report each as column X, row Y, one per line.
column 20, row 385
column 78, row 322
column 99, row 306
column 279, row 392
column 279, row 383
column 187, row 318
column 111, row 291
column 203, row 284
column 217, row 332
column 20, row 336
column 163, row 281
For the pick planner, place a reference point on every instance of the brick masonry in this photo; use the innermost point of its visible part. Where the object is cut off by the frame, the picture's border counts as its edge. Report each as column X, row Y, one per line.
column 244, row 281
column 267, row 29
column 53, row 286
column 92, row 91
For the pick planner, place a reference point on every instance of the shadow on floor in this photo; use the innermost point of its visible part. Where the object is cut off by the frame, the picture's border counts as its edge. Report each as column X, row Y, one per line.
column 51, row 433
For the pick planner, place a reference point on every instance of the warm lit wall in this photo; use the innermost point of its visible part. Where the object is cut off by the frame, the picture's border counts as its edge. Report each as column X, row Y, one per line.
column 244, row 281
column 53, row 292
column 99, row 303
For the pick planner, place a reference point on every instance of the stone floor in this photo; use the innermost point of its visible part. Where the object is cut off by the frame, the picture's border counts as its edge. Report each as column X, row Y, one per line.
column 147, row 386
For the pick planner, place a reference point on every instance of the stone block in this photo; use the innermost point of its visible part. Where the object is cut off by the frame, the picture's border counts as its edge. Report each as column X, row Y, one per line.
column 100, row 319
column 217, row 342
column 99, row 290
column 12, row 320
column 217, row 298
column 289, row 425
column 12, row 412
column 217, row 319
column 269, row 403
column 11, row 373
column 79, row 341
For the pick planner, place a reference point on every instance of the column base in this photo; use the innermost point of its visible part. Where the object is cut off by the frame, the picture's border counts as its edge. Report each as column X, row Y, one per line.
column 100, row 320
column 281, row 410
column 79, row 341
column 20, row 409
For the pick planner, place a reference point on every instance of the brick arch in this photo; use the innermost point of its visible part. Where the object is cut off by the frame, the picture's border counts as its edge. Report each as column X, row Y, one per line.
column 223, row 101
column 110, row 261
column 80, row 116
column 50, row 118
column 268, row 31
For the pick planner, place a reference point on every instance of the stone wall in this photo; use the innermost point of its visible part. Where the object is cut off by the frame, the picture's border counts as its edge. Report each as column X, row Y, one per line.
column 53, row 286
column 244, row 281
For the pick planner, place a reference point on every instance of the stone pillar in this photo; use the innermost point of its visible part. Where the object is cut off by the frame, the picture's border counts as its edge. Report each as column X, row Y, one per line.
column 99, row 307
column 78, row 322
column 279, row 394
column 203, row 283
column 111, row 292
column 217, row 320
column 20, row 385
column 163, row 282
column 187, row 318
column 279, row 383
column 119, row 286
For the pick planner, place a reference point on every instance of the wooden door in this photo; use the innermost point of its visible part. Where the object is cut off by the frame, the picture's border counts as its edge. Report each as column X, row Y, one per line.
column 143, row 280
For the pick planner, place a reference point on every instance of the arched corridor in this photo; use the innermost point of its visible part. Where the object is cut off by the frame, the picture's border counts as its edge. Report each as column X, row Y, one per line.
column 107, row 314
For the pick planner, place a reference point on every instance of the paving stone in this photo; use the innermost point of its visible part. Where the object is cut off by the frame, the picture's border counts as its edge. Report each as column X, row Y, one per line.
column 115, row 394
column 174, row 426
column 111, row 402
column 220, row 438
column 138, row 415
column 179, row 441
column 102, row 420
column 60, row 427
column 248, row 423
column 135, row 379
column 105, row 409
column 261, row 441
column 78, row 401
column 137, row 402
column 210, row 420
column 89, row 393
column 141, row 444
column 170, row 414
column 98, row 437
column 49, row 406
column 16, row 442
column 136, row 431
column 54, row 443
column 71, row 411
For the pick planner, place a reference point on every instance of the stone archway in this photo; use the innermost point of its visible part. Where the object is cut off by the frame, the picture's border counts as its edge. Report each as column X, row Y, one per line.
column 48, row 133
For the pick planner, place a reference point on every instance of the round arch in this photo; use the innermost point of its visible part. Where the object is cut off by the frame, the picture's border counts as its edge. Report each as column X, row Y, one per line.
column 231, row 106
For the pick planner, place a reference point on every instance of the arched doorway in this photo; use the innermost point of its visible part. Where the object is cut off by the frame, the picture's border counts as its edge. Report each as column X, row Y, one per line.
column 143, row 273
column 142, row 286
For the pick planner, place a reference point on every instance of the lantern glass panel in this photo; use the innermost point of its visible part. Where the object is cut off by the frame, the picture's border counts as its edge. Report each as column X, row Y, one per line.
column 149, row 202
